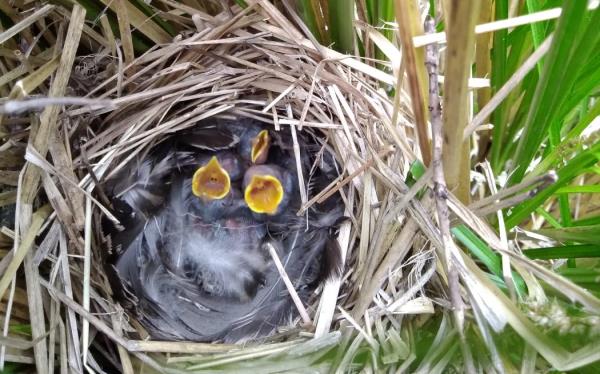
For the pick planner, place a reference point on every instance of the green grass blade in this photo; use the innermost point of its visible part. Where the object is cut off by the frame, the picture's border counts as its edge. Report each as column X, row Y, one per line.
column 573, row 168
column 582, row 276
column 567, row 251
column 579, row 189
column 558, row 76
column 306, row 11
column 341, row 28
column 588, row 221
column 537, row 28
column 480, row 250
column 571, row 141
column 499, row 76
column 154, row 16
column 581, row 234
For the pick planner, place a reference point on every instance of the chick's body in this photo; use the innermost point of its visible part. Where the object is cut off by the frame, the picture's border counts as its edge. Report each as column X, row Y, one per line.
column 215, row 244
column 198, row 269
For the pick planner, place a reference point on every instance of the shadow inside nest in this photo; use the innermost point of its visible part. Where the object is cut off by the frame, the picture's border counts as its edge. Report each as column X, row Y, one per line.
column 189, row 266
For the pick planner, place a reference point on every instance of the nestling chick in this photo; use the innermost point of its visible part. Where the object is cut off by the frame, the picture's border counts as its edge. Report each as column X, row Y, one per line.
column 195, row 264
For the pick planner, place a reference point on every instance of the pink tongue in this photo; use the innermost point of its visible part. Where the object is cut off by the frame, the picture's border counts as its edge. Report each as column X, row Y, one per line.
column 232, row 223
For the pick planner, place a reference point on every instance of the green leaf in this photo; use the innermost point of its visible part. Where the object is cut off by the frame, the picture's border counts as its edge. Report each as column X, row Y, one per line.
column 581, row 234
column 480, row 250
column 499, row 76
column 155, row 16
column 548, row 217
column 579, row 189
column 20, row 328
column 310, row 19
column 564, row 61
column 587, row 221
column 341, row 27
column 537, row 28
column 582, row 275
column 573, row 168
column 571, row 141
column 567, row 251
column 416, row 171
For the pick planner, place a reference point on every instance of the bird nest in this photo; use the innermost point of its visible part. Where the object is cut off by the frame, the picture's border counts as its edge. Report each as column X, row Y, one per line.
column 250, row 63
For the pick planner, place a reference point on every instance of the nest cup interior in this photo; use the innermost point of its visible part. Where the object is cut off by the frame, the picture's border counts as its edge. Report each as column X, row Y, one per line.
column 195, row 266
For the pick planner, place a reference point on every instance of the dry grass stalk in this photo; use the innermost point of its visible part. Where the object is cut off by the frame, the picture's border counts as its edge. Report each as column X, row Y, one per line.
column 440, row 192
column 461, row 22
column 409, row 26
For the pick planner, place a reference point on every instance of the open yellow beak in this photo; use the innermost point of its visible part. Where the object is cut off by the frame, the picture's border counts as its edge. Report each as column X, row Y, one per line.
column 260, row 147
column 211, row 181
column 263, row 194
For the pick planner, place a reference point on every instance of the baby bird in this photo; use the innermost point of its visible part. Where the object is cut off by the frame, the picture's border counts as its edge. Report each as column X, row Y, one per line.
column 195, row 263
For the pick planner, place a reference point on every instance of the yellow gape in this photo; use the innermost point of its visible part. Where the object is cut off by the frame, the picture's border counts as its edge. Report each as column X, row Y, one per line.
column 263, row 194
column 260, row 147
column 211, row 181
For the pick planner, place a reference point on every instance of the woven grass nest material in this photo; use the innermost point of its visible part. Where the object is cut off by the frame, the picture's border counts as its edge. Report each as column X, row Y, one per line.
column 252, row 63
